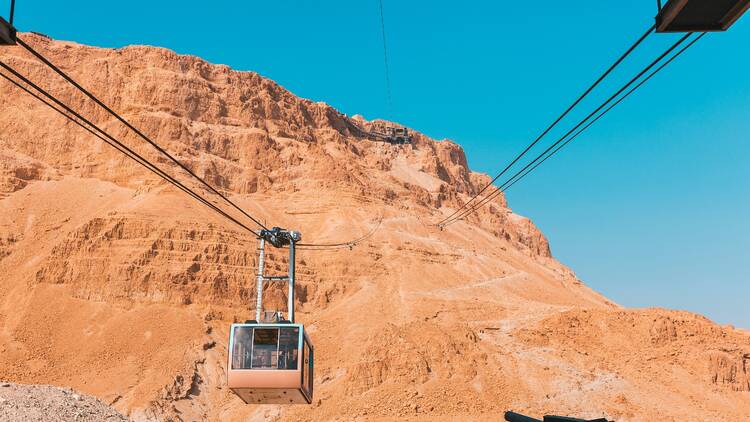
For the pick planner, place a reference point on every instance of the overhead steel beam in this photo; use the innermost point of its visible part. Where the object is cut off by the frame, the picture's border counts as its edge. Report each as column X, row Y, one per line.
column 700, row 15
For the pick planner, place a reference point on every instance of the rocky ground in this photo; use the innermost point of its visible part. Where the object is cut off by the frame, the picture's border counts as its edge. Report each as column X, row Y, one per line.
column 44, row 403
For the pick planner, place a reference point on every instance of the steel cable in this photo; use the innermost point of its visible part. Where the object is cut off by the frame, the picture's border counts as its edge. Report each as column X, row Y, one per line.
column 554, row 123
column 561, row 146
column 112, row 141
column 385, row 57
column 535, row 163
column 342, row 245
column 134, row 129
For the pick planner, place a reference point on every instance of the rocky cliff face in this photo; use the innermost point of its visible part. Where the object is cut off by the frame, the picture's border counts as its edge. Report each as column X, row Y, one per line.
column 122, row 287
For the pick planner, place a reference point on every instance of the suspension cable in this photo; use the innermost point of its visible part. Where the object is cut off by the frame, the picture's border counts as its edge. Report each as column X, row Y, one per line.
column 342, row 245
column 119, row 146
column 389, row 96
column 134, row 129
column 504, row 186
column 554, row 123
column 561, row 146
column 113, row 141
column 497, row 191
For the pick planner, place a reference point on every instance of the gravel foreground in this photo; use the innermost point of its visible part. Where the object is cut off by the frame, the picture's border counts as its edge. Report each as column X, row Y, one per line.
column 32, row 403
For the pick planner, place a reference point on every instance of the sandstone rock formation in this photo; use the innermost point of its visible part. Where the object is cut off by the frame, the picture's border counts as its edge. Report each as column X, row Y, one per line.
column 120, row 286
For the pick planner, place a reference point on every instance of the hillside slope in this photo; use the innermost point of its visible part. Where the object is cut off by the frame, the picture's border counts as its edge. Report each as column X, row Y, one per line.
column 120, row 286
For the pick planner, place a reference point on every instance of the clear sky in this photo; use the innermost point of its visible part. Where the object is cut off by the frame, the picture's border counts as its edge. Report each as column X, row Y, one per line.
column 649, row 207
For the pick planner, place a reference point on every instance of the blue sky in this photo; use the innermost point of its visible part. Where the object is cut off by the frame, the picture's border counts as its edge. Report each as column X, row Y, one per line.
column 650, row 206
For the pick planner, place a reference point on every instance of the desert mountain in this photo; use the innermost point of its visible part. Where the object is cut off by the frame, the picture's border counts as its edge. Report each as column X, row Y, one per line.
column 120, row 286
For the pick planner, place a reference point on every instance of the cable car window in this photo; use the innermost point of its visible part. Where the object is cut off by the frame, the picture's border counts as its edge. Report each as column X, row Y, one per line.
column 242, row 348
column 265, row 348
column 288, row 348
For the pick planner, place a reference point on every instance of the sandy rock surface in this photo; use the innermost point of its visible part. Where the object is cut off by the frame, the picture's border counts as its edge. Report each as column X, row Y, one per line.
column 44, row 403
column 120, row 286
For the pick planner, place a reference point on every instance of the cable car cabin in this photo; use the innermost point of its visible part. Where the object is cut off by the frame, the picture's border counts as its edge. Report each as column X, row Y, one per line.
column 270, row 363
column 699, row 15
column 390, row 133
column 399, row 135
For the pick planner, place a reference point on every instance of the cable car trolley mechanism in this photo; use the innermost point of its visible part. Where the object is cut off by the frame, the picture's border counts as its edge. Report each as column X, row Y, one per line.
column 270, row 359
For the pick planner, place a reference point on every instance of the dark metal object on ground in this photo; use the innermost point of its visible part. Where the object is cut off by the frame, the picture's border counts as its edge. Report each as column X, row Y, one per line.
column 517, row 417
column 699, row 15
